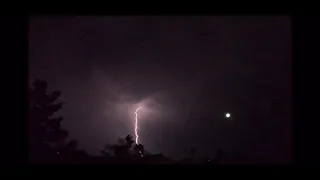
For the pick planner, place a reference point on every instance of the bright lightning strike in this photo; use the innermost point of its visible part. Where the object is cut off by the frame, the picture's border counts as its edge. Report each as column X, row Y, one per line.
column 136, row 126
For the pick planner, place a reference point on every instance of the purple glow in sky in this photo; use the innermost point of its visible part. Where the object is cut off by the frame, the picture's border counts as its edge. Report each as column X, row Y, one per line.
column 185, row 72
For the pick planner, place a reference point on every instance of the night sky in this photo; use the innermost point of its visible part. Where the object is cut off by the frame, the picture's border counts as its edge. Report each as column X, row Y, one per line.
column 185, row 71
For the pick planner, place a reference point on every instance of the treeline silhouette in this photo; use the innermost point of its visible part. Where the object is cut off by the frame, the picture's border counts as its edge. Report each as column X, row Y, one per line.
column 48, row 144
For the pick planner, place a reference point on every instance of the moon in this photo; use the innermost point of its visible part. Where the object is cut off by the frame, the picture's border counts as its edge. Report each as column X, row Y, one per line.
column 227, row 115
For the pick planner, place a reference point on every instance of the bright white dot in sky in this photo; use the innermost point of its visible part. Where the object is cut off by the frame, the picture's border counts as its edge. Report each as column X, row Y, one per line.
column 228, row 115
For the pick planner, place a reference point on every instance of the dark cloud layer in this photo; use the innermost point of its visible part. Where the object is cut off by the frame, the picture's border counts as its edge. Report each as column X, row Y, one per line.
column 187, row 70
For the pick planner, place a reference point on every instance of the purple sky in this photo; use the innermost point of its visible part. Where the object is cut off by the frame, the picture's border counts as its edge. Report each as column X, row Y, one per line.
column 187, row 70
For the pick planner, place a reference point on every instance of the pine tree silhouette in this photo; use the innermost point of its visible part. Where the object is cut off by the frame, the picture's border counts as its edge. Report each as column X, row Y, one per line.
column 45, row 134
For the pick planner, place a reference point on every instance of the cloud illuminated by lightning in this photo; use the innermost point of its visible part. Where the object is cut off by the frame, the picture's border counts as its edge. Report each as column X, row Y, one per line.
column 136, row 126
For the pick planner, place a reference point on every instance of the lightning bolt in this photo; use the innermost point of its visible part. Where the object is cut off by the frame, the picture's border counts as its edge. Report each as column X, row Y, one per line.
column 136, row 126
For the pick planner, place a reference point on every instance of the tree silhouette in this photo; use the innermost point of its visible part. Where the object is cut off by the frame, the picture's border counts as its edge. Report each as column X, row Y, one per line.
column 124, row 149
column 120, row 150
column 139, row 150
column 45, row 134
column 129, row 141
